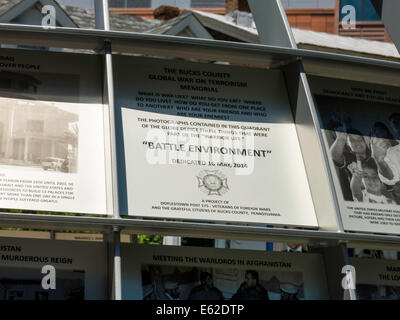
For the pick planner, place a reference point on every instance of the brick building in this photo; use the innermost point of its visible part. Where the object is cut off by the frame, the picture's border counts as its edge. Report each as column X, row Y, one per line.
column 316, row 15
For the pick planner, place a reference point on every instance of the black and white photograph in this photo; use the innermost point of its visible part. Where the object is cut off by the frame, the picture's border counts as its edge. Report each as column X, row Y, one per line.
column 34, row 134
column 52, row 143
column 26, row 284
column 377, row 292
column 194, row 283
column 38, row 135
column 365, row 150
column 40, row 86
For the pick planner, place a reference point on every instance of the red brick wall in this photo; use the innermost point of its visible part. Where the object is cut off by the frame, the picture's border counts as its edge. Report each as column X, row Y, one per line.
column 241, row 5
column 231, row 5
column 309, row 19
column 312, row 19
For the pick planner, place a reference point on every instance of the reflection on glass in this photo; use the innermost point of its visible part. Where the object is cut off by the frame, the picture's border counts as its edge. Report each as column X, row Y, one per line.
column 365, row 11
column 60, row 13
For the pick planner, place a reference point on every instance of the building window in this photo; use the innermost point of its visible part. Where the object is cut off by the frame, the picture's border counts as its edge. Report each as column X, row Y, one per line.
column 36, row 126
column 365, row 11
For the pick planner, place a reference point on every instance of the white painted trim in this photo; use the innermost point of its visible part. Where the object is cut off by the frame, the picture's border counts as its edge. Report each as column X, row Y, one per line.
column 193, row 24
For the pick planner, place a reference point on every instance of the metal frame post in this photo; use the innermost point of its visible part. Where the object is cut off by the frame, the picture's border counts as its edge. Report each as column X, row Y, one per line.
column 117, row 265
column 103, row 22
column 272, row 32
column 111, row 114
column 389, row 11
column 335, row 258
column 276, row 31
column 116, row 215
column 102, row 18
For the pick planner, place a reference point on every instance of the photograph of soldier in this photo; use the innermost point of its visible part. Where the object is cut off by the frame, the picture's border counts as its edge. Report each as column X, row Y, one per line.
column 177, row 283
column 289, row 292
column 166, row 282
column 251, row 289
column 206, row 289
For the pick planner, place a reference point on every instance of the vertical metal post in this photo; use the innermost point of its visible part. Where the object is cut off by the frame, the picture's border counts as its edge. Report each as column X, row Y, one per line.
column 103, row 22
column 350, row 294
column 102, row 19
column 276, row 31
column 117, row 265
column 389, row 10
column 116, row 215
column 272, row 24
column 335, row 258
column 111, row 114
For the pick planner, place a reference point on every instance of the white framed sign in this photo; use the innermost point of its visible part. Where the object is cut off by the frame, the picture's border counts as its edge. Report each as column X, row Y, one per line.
column 361, row 129
column 52, row 145
column 185, row 273
column 210, row 142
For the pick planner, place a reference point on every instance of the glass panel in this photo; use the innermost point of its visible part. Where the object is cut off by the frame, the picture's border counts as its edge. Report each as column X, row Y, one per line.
column 370, row 13
column 117, row 3
column 365, row 10
column 145, row 16
column 54, row 14
column 138, row 3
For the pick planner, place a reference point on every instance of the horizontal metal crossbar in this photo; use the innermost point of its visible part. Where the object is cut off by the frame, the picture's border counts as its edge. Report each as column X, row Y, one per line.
column 171, row 46
column 196, row 230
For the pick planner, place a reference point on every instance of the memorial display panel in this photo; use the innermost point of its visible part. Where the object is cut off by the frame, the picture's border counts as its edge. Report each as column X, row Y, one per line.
column 361, row 129
column 80, row 269
column 377, row 279
column 52, row 145
column 208, row 142
column 172, row 273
